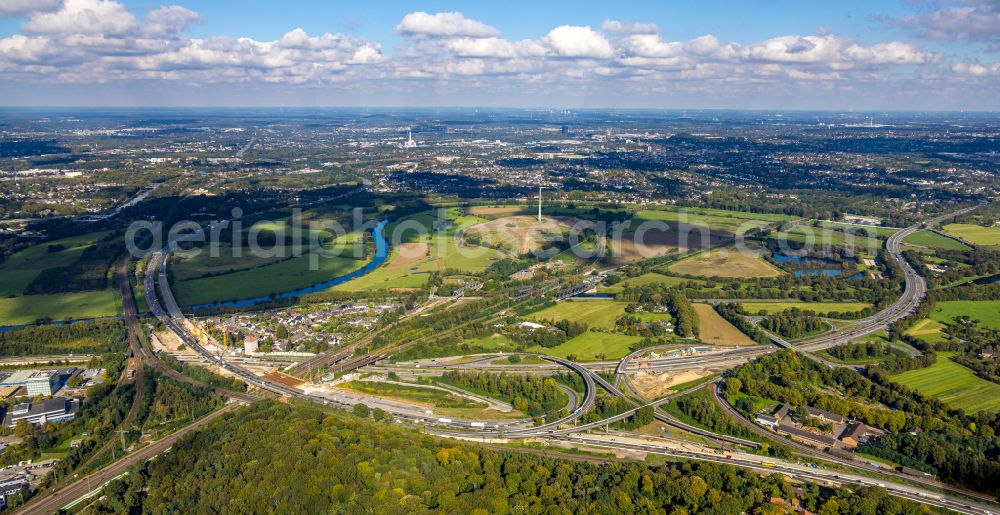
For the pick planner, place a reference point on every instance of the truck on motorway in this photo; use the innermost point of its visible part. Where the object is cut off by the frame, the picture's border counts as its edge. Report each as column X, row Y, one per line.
column 478, row 424
column 444, row 420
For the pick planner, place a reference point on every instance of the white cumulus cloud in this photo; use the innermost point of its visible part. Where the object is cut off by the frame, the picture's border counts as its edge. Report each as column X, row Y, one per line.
column 83, row 17
column 447, row 24
column 578, row 41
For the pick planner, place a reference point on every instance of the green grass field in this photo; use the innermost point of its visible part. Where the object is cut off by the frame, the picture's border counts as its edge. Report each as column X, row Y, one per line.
column 826, row 237
column 280, row 277
column 893, row 354
column 879, row 336
column 60, row 306
column 928, row 330
column 595, row 313
column 934, row 240
column 953, row 384
column 496, row 342
column 819, row 307
column 192, row 266
column 18, row 270
column 590, row 346
column 975, row 234
column 986, row 311
column 881, row 232
column 733, row 222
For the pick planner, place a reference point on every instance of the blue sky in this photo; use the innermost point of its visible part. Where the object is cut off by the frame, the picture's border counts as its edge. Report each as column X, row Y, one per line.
column 889, row 54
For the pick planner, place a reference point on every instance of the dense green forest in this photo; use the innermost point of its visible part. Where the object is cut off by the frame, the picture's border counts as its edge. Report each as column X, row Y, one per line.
column 280, row 458
column 94, row 337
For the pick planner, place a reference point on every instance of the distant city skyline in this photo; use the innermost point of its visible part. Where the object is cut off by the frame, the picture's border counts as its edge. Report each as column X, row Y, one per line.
column 879, row 55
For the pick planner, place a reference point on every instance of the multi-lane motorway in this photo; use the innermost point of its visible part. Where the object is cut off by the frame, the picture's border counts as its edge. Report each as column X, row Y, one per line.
column 169, row 313
column 913, row 293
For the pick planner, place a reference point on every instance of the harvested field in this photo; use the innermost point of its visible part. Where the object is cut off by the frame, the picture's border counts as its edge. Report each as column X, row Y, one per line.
column 716, row 330
column 728, row 262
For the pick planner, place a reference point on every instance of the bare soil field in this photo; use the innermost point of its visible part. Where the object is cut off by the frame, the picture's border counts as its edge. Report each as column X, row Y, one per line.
column 409, row 254
column 715, row 330
column 654, row 386
column 521, row 234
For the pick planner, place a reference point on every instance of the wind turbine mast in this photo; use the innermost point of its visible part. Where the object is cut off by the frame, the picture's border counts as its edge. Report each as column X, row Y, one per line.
column 539, row 202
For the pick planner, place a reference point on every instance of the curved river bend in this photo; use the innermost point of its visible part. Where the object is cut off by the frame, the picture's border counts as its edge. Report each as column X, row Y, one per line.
column 381, row 254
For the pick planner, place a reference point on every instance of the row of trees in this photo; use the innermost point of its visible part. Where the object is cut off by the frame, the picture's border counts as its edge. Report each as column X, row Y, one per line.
column 685, row 318
column 794, row 323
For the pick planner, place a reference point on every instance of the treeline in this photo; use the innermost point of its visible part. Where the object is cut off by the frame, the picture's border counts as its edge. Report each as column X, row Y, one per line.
column 962, row 449
column 981, row 261
column 987, row 368
column 502, row 269
column 862, row 351
column 685, row 318
column 93, row 337
column 530, row 394
column 203, row 374
column 348, row 465
column 794, row 323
